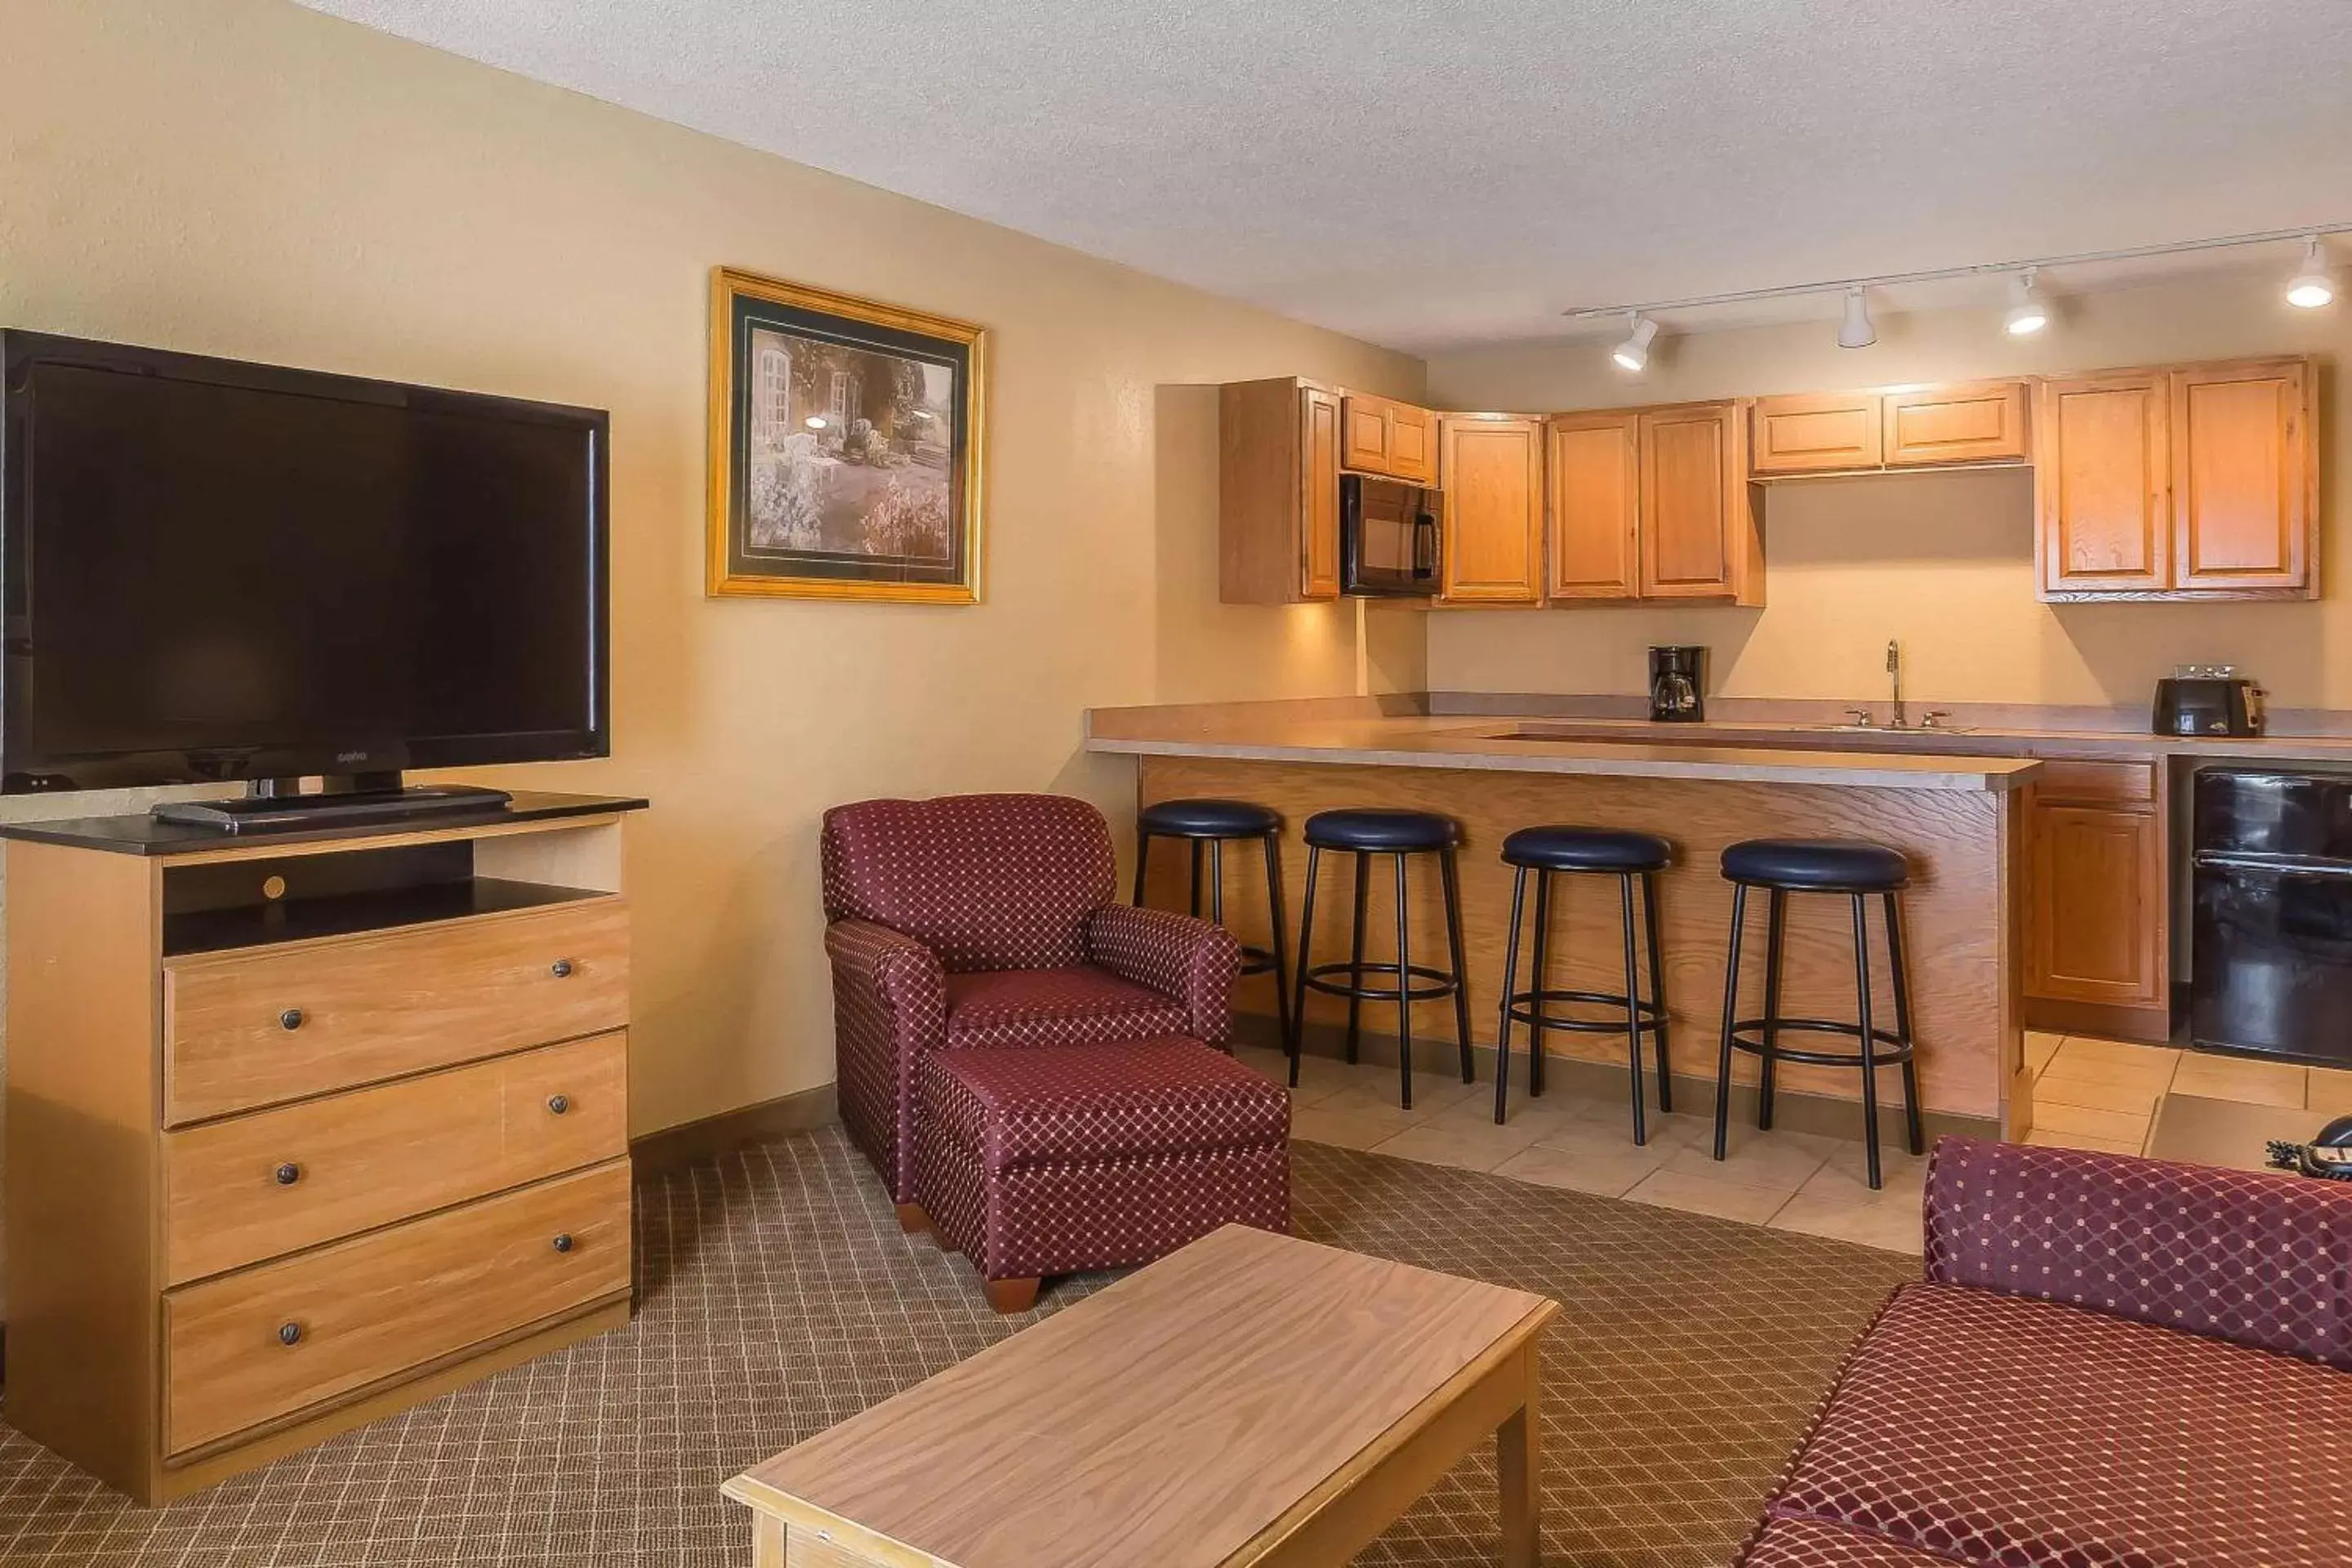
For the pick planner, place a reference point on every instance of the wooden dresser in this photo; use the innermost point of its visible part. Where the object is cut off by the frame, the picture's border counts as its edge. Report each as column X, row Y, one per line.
column 304, row 1128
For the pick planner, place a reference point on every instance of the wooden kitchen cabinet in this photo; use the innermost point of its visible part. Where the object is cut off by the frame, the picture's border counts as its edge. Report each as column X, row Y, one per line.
column 1976, row 422
column 2099, row 955
column 1278, row 492
column 1816, row 433
column 2184, row 482
column 1492, row 510
column 1595, row 471
column 1381, row 435
column 1698, row 537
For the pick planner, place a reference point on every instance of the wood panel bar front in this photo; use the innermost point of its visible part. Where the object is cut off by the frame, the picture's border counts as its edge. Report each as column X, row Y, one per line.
column 1959, row 913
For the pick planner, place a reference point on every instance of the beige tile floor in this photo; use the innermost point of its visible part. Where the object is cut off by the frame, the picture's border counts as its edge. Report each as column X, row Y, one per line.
column 2088, row 1093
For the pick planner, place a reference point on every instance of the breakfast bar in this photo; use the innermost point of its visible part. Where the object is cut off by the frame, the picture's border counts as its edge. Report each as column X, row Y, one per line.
column 1956, row 819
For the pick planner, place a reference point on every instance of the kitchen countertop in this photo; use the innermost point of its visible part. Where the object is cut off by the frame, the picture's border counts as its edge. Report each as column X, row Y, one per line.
column 1285, row 732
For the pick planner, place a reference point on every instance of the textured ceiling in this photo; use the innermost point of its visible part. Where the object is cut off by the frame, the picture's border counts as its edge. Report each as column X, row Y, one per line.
column 1431, row 174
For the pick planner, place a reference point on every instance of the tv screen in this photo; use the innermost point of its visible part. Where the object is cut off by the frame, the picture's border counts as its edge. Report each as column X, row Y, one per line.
column 217, row 571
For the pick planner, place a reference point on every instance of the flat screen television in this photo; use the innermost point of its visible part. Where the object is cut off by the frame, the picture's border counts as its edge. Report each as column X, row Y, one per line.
column 218, row 572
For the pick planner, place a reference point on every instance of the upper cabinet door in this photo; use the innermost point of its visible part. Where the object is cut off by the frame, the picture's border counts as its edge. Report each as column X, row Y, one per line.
column 2100, row 519
column 1983, row 421
column 1412, row 444
column 1491, row 536
column 1816, row 433
column 1697, row 533
column 2244, row 475
column 1596, row 485
column 1318, row 506
column 1364, row 433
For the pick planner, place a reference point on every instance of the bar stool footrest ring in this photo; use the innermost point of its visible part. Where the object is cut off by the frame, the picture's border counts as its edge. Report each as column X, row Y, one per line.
column 1522, row 1008
column 1892, row 1049
column 1444, row 983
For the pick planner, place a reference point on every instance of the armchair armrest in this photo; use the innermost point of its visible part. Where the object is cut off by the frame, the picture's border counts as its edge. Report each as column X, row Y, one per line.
column 2234, row 1254
column 1176, row 955
column 890, row 1006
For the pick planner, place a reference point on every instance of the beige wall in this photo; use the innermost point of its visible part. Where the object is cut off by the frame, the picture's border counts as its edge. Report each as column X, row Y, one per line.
column 246, row 178
column 1942, row 561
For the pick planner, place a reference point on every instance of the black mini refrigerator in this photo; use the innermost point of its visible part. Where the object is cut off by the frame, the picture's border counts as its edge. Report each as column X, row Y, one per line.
column 2270, row 940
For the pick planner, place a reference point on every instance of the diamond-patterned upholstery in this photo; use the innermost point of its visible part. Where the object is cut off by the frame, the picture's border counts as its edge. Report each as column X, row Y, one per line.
column 1053, row 1159
column 2257, row 1258
column 1803, row 1544
column 984, row 921
column 2113, row 1362
column 1999, row 1429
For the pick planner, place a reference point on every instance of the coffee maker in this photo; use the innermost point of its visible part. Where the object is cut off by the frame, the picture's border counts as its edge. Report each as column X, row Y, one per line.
column 1679, row 685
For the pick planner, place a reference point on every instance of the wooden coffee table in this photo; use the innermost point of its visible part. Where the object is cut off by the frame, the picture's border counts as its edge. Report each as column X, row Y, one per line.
column 1252, row 1399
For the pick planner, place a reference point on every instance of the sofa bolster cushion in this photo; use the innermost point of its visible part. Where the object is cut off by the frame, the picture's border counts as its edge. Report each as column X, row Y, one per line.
column 2260, row 1259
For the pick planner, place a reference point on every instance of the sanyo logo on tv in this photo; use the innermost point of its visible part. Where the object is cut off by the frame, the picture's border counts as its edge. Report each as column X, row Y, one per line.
column 351, row 756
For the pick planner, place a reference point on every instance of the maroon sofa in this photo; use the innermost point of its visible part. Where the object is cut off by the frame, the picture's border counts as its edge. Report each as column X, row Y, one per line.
column 2112, row 1363
column 1030, row 1066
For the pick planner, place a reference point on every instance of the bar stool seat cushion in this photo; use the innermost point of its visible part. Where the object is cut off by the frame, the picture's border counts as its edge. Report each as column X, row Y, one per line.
column 1208, row 819
column 1382, row 832
column 1557, row 848
column 1842, row 865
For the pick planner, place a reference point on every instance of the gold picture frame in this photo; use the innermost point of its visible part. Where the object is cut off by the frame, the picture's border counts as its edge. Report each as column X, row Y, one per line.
column 847, row 447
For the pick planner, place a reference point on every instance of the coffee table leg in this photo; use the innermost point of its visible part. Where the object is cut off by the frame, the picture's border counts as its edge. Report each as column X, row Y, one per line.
column 767, row 1540
column 1519, row 1453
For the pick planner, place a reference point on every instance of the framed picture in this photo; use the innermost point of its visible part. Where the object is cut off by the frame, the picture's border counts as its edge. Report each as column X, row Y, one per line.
column 845, row 445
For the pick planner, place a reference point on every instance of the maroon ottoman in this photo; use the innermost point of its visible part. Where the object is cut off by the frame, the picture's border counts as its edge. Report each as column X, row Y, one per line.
column 1038, row 1159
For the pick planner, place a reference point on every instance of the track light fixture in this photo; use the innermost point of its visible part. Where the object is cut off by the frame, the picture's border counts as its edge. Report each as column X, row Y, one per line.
column 1635, row 352
column 2313, row 286
column 2027, row 312
column 1855, row 331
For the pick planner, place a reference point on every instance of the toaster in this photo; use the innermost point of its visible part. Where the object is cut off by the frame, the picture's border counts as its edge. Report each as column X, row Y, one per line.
column 2207, row 699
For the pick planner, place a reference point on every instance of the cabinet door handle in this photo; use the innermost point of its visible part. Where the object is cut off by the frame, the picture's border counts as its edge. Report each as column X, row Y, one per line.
column 289, row 1173
column 563, row 1241
column 290, row 1020
column 559, row 1103
column 561, row 969
column 290, row 1333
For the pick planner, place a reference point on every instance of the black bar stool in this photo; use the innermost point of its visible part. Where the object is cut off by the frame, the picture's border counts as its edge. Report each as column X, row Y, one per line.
column 1208, row 825
column 1584, row 851
column 1859, row 870
column 1399, row 834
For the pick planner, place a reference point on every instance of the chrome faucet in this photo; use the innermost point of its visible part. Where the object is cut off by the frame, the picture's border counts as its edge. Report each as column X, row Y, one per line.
column 1895, row 675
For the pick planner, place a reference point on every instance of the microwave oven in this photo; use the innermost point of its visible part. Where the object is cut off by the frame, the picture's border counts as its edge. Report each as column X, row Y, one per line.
column 1388, row 538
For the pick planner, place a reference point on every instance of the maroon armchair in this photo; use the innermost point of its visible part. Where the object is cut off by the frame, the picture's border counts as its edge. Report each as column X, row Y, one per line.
column 987, row 920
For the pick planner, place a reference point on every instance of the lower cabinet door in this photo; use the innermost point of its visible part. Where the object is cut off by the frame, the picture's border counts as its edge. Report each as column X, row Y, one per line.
column 2097, row 926
column 250, row 1347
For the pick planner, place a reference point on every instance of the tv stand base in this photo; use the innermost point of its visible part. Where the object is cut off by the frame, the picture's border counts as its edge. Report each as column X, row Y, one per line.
column 273, row 806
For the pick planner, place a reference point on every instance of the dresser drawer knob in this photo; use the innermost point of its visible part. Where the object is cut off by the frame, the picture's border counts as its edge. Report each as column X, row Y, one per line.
column 290, row 1333
column 562, row 1241
column 559, row 1103
column 562, row 969
column 290, row 1019
column 289, row 1173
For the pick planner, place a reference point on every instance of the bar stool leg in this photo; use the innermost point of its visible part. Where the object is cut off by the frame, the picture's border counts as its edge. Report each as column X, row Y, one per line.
column 1273, row 915
column 1911, row 1125
column 1217, row 881
column 1730, row 1014
column 1657, row 989
column 1356, row 955
column 1461, row 971
column 1306, row 961
column 1404, row 985
column 1633, row 1005
column 1869, row 1043
column 1196, row 878
column 1776, row 933
column 1142, row 858
column 1541, row 937
column 1510, row 986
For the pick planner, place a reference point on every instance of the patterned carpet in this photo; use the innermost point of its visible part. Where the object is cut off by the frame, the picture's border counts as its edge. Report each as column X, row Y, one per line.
column 778, row 1297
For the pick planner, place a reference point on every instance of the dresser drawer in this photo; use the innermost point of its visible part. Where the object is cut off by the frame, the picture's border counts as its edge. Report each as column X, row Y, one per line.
column 256, row 1027
column 253, row 1346
column 275, row 1182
